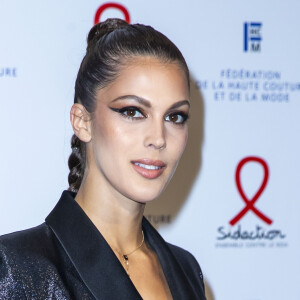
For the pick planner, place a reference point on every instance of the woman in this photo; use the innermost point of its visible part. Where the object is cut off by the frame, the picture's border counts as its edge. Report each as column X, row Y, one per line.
column 129, row 120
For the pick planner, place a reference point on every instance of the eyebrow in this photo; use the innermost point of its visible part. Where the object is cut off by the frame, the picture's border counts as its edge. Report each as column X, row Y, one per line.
column 147, row 103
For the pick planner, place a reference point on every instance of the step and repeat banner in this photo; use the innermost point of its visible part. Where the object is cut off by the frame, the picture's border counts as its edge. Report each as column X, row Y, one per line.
column 235, row 199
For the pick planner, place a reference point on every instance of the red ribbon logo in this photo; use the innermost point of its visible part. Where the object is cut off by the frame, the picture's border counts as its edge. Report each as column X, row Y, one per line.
column 250, row 202
column 105, row 6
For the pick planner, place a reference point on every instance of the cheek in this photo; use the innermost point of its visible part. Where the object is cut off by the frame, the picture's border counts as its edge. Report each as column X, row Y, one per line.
column 112, row 135
column 177, row 143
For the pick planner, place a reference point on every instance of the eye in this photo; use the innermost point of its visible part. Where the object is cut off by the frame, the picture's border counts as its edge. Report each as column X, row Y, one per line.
column 177, row 118
column 130, row 112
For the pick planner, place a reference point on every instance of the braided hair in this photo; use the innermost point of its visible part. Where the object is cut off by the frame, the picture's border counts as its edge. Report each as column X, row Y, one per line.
column 110, row 45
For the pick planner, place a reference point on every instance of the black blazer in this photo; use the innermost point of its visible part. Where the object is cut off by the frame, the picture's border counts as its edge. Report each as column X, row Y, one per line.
column 67, row 258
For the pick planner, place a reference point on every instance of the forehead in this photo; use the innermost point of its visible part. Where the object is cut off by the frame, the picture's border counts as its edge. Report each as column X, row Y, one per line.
column 150, row 78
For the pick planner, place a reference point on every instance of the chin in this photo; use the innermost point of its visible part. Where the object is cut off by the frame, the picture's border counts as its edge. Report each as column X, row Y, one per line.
column 145, row 195
column 150, row 189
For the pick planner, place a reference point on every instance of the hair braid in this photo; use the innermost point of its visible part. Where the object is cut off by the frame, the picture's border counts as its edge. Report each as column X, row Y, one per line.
column 76, row 164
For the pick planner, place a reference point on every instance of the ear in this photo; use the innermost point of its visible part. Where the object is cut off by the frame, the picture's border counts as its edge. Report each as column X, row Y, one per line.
column 81, row 122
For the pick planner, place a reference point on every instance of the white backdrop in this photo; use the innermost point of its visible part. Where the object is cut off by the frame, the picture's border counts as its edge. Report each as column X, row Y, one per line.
column 245, row 66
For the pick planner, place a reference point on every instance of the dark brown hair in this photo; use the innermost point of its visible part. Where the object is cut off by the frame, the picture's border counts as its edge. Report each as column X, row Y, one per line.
column 110, row 45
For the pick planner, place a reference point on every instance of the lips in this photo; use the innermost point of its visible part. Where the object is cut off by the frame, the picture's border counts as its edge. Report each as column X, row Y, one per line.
column 148, row 168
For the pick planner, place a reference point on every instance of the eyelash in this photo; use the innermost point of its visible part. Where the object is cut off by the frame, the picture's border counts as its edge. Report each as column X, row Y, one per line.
column 123, row 110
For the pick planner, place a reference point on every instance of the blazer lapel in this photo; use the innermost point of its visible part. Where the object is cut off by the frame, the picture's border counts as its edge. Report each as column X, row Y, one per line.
column 94, row 260
column 179, row 285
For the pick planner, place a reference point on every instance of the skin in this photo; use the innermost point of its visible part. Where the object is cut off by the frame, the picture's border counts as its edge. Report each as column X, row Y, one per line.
column 113, row 194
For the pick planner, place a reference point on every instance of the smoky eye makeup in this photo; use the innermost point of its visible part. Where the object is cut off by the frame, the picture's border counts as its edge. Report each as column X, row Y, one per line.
column 135, row 113
column 177, row 117
column 130, row 112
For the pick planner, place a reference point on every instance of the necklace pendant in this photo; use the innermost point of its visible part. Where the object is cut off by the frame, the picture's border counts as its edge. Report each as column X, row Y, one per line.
column 126, row 261
column 125, row 256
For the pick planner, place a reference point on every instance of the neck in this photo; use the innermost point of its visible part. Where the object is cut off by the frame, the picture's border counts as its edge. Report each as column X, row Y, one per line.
column 118, row 218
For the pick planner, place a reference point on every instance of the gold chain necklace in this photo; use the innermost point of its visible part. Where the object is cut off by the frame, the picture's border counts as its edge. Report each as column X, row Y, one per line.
column 125, row 256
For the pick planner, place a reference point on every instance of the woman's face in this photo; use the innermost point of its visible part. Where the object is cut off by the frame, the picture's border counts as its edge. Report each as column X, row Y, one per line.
column 139, row 128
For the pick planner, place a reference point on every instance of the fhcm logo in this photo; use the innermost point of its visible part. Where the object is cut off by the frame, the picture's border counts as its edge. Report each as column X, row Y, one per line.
column 252, row 37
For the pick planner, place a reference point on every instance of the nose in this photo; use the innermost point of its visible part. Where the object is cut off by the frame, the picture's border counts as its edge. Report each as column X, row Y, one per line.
column 155, row 135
